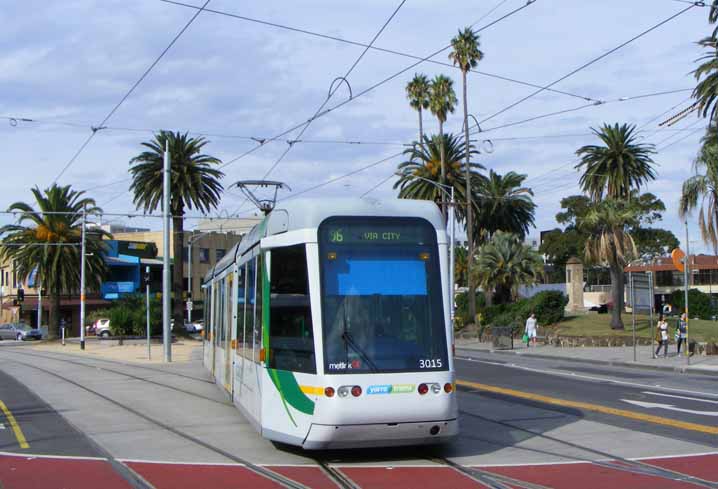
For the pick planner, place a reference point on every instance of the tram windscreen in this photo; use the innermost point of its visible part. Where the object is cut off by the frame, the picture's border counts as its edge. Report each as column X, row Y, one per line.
column 381, row 296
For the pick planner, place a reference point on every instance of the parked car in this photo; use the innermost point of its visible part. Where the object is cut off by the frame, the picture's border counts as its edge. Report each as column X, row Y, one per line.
column 19, row 331
column 193, row 327
column 102, row 328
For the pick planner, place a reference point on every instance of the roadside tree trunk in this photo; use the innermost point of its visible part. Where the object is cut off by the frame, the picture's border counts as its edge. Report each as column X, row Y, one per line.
column 443, row 165
column 616, row 272
column 421, row 128
column 178, row 271
column 53, row 328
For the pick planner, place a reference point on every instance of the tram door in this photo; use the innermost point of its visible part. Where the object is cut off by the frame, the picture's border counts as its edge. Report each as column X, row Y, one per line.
column 229, row 331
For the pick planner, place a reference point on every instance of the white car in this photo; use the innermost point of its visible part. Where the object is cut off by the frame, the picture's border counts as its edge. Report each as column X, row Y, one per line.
column 102, row 328
column 193, row 327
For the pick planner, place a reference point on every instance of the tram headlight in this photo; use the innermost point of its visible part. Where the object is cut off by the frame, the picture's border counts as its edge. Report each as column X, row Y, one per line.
column 356, row 391
column 448, row 388
column 435, row 388
column 423, row 389
column 343, row 391
column 329, row 392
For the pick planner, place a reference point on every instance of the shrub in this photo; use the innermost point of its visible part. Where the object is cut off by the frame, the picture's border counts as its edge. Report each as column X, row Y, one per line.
column 128, row 316
column 461, row 315
column 549, row 306
column 699, row 303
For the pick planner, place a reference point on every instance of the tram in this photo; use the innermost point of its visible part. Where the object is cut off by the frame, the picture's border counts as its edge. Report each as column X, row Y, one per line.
column 328, row 325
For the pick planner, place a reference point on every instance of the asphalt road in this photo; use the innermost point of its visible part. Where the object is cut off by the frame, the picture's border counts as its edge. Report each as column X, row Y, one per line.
column 27, row 417
column 680, row 406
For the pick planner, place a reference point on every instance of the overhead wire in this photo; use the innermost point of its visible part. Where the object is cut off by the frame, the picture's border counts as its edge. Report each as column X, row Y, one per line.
column 99, row 127
column 587, row 64
column 380, row 83
column 384, row 50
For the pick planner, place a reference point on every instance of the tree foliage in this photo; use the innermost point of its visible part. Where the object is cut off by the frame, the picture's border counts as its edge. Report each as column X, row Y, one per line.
column 504, row 204
column 701, row 191
column 618, row 166
column 46, row 240
column 504, row 263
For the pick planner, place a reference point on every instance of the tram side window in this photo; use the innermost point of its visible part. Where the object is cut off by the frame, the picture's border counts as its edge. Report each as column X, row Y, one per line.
column 258, row 308
column 249, row 308
column 228, row 323
column 241, row 290
column 291, row 339
column 205, row 311
column 221, row 313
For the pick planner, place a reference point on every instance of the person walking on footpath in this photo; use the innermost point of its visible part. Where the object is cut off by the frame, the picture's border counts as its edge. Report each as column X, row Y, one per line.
column 662, row 330
column 530, row 330
column 681, row 332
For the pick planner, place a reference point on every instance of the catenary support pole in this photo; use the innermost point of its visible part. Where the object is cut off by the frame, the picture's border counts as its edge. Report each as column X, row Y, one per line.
column 652, row 306
column 452, row 258
column 633, row 312
column 83, row 257
column 189, row 279
column 166, row 332
column 147, row 310
column 686, row 276
column 39, row 304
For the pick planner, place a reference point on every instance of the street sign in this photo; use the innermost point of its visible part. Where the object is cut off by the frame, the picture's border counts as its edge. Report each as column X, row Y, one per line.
column 678, row 256
column 189, row 305
column 640, row 295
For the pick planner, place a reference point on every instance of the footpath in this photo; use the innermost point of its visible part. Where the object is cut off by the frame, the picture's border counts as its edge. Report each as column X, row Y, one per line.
column 622, row 356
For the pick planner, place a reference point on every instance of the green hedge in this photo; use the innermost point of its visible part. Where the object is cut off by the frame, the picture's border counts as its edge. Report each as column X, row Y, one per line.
column 128, row 316
column 548, row 307
column 699, row 303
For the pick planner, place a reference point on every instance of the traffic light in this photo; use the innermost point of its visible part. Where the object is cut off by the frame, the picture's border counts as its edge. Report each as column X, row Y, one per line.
column 20, row 295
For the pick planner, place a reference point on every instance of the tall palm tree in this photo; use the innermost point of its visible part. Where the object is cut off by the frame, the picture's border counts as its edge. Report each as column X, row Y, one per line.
column 504, row 205
column 424, row 164
column 466, row 54
column 503, row 264
column 706, row 90
column 610, row 243
column 194, row 183
column 418, row 91
column 703, row 187
column 617, row 166
column 441, row 103
column 47, row 242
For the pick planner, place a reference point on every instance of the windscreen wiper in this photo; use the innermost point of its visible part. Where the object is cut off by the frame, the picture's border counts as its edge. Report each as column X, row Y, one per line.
column 349, row 340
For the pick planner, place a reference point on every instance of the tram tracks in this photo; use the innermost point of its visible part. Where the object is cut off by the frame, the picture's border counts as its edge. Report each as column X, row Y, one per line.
column 607, row 460
column 123, row 374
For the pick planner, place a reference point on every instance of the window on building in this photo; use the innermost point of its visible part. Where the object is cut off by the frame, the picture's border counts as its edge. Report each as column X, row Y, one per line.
column 204, row 255
column 291, row 338
column 185, row 254
column 2, row 277
column 219, row 253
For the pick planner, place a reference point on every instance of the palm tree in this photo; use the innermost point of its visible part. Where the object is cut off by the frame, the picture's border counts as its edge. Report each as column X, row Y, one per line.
column 466, row 54
column 441, row 103
column 418, row 91
column 47, row 242
column 706, row 90
column 704, row 187
column 616, row 167
column 610, row 243
column 424, row 167
column 504, row 205
column 504, row 263
column 194, row 183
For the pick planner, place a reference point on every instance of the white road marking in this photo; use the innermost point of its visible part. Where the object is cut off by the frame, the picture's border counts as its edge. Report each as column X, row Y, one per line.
column 670, row 407
column 2, row 426
column 679, row 397
column 589, row 377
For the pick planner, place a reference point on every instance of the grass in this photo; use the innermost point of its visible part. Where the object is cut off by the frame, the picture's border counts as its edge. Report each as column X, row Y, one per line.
column 599, row 325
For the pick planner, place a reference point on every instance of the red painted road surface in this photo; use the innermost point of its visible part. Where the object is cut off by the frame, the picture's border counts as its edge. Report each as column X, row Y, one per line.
column 27, row 472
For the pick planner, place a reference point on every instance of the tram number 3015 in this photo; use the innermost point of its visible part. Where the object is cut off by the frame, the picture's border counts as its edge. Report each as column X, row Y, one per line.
column 430, row 363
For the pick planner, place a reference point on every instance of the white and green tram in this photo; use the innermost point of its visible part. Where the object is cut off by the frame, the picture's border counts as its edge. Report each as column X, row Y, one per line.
column 328, row 325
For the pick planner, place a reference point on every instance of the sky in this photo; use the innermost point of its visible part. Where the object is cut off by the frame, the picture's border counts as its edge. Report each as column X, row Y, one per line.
column 66, row 65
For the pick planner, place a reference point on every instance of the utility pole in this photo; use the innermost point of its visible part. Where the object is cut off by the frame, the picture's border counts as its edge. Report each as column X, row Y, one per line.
column 82, row 281
column 166, row 332
column 147, row 309
column 39, row 301
column 686, row 276
column 189, row 280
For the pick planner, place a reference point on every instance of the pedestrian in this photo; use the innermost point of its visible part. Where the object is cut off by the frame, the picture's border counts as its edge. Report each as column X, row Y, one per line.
column 530, row 330
column 682, row 332
column 662, row 331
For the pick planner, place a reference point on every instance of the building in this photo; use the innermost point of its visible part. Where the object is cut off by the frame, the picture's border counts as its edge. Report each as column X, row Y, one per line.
column 703, row 275
column 207, row 249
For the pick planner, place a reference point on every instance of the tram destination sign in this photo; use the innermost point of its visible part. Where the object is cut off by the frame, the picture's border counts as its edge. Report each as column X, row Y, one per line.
column 378, row 234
